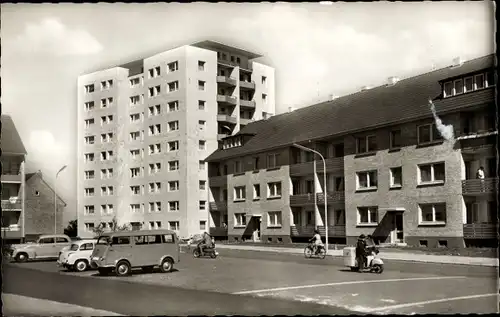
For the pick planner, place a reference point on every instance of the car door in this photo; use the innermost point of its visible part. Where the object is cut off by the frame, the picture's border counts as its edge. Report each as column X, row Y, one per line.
column 86, row 251
column 45, row 247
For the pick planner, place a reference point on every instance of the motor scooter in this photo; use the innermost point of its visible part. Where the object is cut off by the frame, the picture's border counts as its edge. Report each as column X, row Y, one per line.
column 374, row 263
column 211, row 252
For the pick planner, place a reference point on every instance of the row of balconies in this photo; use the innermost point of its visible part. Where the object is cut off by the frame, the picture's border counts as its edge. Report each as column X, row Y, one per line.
column 230, row 100
column 230, row 81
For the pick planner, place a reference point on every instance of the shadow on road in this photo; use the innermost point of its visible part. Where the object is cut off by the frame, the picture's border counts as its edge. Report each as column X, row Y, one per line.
column 137, row 272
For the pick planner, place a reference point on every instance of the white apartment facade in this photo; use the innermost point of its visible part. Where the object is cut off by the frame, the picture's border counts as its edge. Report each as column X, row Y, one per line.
column 145, row 128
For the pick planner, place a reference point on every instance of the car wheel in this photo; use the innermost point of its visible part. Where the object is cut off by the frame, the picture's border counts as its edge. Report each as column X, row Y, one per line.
column 22, row 257
column 167, row 265
column 81, row 266
column 123, row 268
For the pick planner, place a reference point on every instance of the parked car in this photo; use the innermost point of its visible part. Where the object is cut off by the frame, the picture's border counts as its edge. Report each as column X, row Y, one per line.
column 145, row 249
column 46, row 247
column 77, row 256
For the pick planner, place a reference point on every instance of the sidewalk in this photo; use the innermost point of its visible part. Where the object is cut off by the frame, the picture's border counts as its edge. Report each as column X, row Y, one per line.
column 390, row 255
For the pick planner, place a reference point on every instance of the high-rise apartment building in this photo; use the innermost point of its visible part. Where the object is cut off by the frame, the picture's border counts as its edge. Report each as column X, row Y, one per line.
column 146, row 127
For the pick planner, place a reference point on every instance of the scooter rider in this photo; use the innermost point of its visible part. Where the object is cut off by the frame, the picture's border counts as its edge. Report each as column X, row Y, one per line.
column 360, row 252
column 317, row 241
column 205, row 243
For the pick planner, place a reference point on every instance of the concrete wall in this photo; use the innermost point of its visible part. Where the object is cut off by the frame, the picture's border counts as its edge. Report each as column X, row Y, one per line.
column 260, row 70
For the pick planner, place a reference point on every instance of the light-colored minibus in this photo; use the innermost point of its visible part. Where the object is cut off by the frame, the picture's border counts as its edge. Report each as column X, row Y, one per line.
column 146, row 249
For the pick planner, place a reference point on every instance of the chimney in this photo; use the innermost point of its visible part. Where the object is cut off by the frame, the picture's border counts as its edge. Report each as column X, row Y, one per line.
column 365, row 88
column 332, row 97
column 291, row 109
column 391, row 81
column 457, row 62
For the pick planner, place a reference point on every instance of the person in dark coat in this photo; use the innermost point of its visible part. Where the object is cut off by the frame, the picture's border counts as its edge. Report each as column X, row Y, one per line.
column 360, row 252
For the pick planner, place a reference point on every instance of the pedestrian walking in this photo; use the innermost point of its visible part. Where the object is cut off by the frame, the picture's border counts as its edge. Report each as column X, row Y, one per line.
column 480, row 176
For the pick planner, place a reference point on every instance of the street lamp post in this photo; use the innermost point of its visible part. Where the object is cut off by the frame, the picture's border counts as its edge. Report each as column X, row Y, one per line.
column 55, row 198
column 325, row 186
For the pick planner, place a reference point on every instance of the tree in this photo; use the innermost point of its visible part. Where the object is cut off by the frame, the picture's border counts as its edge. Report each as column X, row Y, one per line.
column 72, row 229
column 114, row 227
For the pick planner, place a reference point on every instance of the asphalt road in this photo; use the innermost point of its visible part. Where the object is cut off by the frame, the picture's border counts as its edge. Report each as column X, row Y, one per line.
column 256, row 283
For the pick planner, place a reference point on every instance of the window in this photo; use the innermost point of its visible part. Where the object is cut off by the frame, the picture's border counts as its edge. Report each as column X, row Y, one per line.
column 173, row 106
column 469, row 84
column 135, row 190
column 432, row 213
column 173, row 126
column 274, row 189
column 154, row 110
column 135, row 207
column 173, row 146
column 339, row 217
column 173, row 206
column 106, row 209
column 106, row 119
column 107, row 191
column 272, row 160
column 173, row 225
column 89, row 88
column 274, row 219
column 154, row 72
column 256, row 191
column 201, row 124
column 134, row 82
column 201, row 144
column 135, row 117
column 135, row 153
column 459, row 86
column 367, row 215
column 239, row 193
column 121, row 240
column 89, row 140
column 238, row 60
column 264, row 80
column 154, row 129
column 154, row 168
column 154, row 91
column 106, row 102
column 479, row 81
column 428, row 133
column 201, row 105
column 89, row 226
column 135, row 100
column 173, row 86
column 232, row 58
column 490, row 79
column 173, row 186
column 106, row 173
column 155, row 206
column 201, row 66
column 89, row 175
column 237, row 167
column 396, row 177
column 201, row 165
column 173, row 165
column 201, row 85
column 89, row 192
column 203, row 225
column 203, row 185
column 448, row 89
column 395, row 139
column 135, row 172
column 240, row 220
column 106, row 155
column 366, row 180
column 264, row 98
column 89, row 106
column 89, row 123
column 107, row 84
column 366, row 144
column 154, row 187
column 89, row 157
column 256, row 163
column 172, row 67
column 106, row 137
column 431, row 173
column 89, row 209
column 154, row 148
column 203, row 205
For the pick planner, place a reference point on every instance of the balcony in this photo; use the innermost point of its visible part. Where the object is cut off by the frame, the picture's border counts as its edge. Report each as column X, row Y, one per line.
column 243, row 67
column 332, row 165
column 332, row 197
column 479, row 147
column 217, row 181
column 226, row 119
column 302, row 231
column 226, row 100
column 249, row 85
column 302, row 200
column 226, row 81
column 12, row 205
column 218, row 232
column 333, row 231
column 218, row 205
column 11, row 178
column 244, row 121
column 12, row 232
column 221, row 136
column 480, row 231
column 247, row 103
column 477, row 187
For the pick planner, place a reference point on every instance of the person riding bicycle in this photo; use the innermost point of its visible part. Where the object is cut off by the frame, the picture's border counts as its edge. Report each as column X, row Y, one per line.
column 206, row 242
column 316, row 239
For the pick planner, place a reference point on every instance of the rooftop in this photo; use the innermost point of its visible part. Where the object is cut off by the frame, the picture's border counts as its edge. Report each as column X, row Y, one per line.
column 216, row 46
column 10, row 141
column 407, row 100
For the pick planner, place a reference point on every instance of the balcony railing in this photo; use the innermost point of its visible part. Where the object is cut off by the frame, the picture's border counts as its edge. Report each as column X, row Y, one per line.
column 218, row 232
column 302, row 200
column 247, row 103
column 333, row 231
column 479, row 186
column 12, row 178
column 226, row 118
column 302, row 231
column 247, row 84
column 245, row 121
column 218, row 205
column 217, row 181
column 226, row 80
column 11, row 205
column 332, row 164
column 480, row 231
column 243, row 66
column 332, row 197
column 226, row 99
column 221, row 136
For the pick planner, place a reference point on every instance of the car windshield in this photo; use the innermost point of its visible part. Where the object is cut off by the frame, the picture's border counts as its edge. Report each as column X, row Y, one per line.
column 74, row 247
column 104, row 240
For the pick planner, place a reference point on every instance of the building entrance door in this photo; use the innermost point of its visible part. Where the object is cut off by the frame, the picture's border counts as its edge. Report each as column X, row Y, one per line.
column 256, row 228
column 397, row 233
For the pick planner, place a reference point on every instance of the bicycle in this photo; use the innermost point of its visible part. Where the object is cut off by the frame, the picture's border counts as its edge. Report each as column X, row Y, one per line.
column 320, row 251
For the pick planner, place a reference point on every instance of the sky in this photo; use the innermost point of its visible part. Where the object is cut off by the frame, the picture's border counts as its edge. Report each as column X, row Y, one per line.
column 317, row 50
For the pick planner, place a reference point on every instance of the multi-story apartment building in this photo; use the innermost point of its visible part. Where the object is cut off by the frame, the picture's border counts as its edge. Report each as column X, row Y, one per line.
column 145, row 128
column 13, row 183
column 390, row 172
